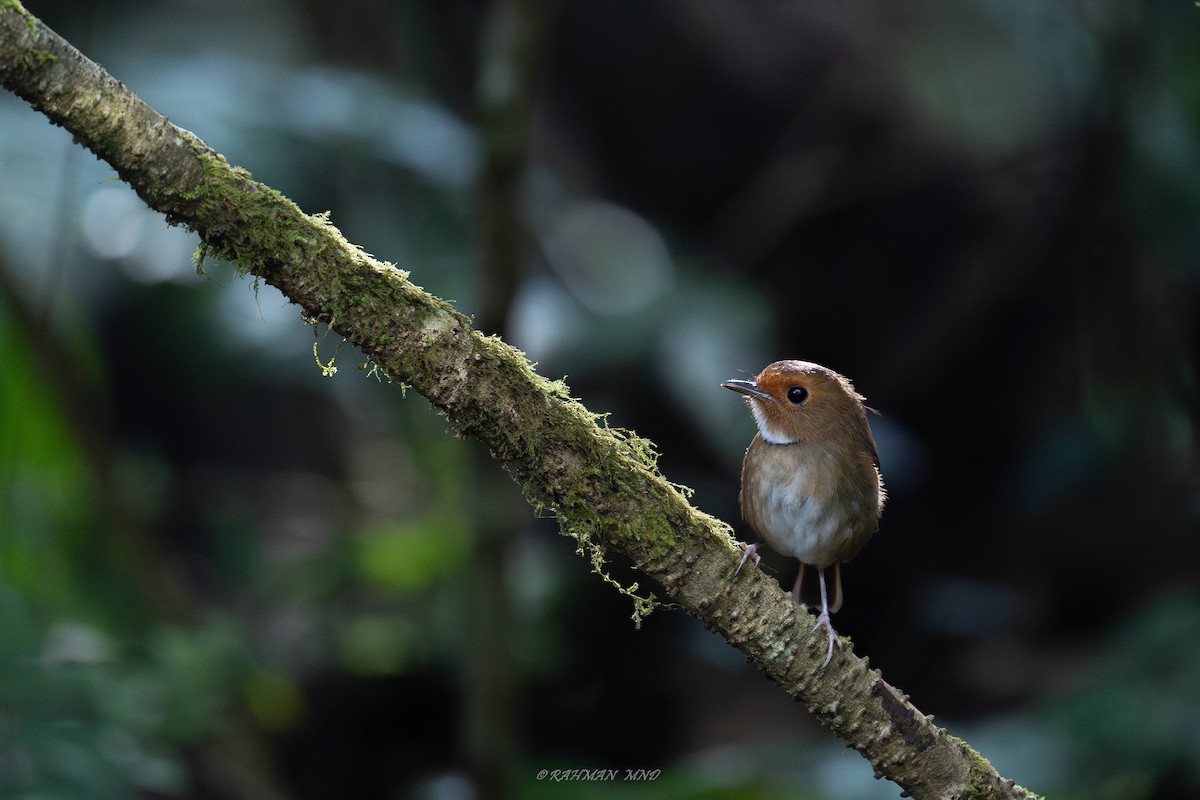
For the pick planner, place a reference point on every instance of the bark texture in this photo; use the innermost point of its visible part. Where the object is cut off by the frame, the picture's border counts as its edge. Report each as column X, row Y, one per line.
column 601, row 483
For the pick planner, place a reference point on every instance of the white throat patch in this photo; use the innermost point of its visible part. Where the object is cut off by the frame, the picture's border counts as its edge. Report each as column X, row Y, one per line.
column 765, row 430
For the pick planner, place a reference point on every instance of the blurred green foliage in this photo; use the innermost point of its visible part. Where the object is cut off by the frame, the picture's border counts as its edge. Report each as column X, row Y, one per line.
column 86, row 715
column 1132, row 719
column 48, row 497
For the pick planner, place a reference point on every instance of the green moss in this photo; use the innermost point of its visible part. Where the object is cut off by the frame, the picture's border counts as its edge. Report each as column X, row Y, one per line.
column 982, row 774
column 16, row 6
column 264, row 233
column 596, row 555
column 377, row 372
column 327, row 370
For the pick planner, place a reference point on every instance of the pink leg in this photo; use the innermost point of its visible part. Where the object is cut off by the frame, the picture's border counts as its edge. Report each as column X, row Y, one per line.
column 823, row 621
column 751, row 551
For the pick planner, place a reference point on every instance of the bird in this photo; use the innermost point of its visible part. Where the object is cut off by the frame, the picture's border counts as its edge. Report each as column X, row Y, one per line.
column 811, row 486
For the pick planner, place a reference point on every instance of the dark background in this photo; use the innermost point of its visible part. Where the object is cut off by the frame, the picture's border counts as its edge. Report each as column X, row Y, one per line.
column 224, row 574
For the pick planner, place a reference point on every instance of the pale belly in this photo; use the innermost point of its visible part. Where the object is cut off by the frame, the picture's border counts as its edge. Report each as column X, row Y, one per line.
column 795, row 501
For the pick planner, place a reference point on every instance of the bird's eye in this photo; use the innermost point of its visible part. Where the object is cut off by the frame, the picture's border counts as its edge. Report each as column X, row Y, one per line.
column 797, row 394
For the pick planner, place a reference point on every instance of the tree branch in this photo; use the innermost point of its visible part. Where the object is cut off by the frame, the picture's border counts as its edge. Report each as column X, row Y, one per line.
column 601, row 483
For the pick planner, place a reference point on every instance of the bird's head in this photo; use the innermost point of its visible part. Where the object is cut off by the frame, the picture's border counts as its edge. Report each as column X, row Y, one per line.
column 798, row 401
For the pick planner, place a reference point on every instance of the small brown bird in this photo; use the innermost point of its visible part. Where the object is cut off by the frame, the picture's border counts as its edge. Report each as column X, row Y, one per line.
column 811, row 487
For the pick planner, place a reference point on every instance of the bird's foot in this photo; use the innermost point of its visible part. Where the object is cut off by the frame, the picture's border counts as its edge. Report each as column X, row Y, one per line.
column 823, row 622
column 750, row 551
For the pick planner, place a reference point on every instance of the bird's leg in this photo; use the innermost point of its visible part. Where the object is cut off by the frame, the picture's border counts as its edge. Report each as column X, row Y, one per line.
column 751, row 551
column 798, row 587
column 823, row 621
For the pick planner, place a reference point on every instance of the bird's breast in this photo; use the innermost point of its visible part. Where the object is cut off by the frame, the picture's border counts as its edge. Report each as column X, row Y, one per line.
column 810, row 502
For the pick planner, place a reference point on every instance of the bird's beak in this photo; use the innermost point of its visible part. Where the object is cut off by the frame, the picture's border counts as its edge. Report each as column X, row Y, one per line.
column 748, row 388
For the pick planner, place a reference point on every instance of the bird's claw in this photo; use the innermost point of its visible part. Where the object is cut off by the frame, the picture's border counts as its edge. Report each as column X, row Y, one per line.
column 750, row 551
column 824, row 622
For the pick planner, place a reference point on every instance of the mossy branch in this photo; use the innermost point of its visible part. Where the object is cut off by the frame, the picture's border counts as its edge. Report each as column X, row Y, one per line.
column 601, row 483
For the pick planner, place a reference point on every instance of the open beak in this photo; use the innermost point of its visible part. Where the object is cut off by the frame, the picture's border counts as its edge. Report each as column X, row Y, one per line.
column 748, row 388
